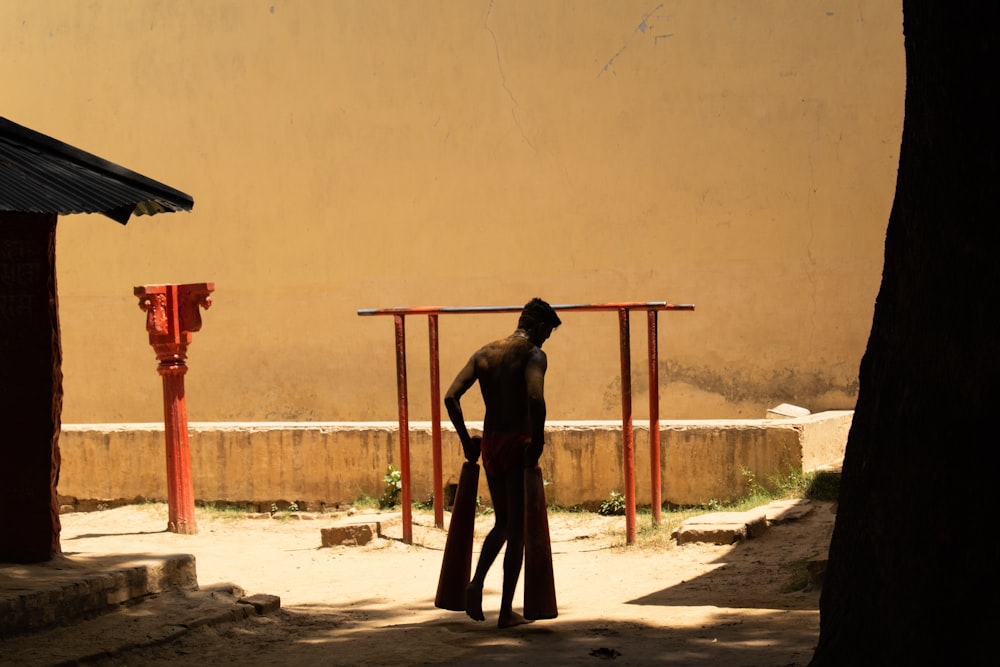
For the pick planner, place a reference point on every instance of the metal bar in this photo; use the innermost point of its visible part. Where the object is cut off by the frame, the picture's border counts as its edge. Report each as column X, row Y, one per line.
column 404, row 428
column 654, row 415
column 587, row 307
column 432, row 335
column 628, row 444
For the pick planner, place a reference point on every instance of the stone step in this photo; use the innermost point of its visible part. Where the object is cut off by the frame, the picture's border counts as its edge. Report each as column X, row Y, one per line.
column 358, row 529
column 148, row 621
column 69, row 589
column 73, row 608
column 732, row 527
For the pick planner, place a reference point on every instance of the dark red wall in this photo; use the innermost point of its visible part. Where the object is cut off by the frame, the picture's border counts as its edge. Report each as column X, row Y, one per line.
column 30, row 388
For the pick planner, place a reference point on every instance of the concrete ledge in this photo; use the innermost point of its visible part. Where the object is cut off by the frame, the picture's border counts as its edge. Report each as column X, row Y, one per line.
column 59, row 592
column 733, row 527
column 153, row 621
column 721, row 528
column 326, row 464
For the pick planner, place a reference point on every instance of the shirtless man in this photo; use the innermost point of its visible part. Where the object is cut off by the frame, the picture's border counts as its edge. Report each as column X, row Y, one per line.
column 511, row 375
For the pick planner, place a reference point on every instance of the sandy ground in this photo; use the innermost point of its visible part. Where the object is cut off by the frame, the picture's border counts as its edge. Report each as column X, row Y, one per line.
column 696, row 604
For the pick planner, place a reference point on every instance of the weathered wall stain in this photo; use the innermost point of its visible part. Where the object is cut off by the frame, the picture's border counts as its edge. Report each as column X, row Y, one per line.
column 761, row 388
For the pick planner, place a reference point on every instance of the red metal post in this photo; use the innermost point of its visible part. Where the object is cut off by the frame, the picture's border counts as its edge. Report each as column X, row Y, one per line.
column 404, row 428
column 654, row 416
column 628, row 443
column 432, row 335
column 172, row 315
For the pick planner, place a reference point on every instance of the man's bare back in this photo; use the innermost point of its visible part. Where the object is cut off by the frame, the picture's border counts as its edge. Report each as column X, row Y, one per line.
column 501, row 368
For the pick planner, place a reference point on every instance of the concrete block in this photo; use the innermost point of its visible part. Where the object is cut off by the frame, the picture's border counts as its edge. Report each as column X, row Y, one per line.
column 348, row 535
column 780, row 511
column 721, row 528
column 262, row 604
column 786, row 410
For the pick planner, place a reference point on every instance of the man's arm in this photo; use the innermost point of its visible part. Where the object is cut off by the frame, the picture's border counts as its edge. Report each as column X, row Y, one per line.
column 465, row 379
column 534, row 376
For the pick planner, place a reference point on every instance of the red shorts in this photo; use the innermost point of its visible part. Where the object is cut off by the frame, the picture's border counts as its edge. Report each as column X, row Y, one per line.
column 504, row 451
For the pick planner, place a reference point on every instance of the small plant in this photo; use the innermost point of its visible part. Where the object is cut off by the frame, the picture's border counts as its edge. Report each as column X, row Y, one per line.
column 613, row 506
column 481, row 508
column 754, row 488
column 283, row 506
column 364, row 501
column 393, row 481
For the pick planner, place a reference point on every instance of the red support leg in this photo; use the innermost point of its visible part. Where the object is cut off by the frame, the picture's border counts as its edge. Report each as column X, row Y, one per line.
column 404, row 429
column 432, row 326
column 628, row 443
column 654, row 416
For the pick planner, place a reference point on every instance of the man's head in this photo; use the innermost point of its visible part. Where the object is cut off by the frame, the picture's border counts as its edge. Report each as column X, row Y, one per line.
column 538, row 319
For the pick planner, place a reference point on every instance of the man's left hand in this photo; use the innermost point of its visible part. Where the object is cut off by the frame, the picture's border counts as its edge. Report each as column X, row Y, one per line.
column 473, row 449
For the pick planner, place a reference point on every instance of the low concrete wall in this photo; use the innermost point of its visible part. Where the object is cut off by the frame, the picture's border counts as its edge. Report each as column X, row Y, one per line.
column 319, row 464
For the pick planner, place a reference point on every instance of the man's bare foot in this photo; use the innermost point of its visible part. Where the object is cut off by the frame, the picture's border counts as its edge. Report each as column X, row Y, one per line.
column 510, row 619
column 474, row 602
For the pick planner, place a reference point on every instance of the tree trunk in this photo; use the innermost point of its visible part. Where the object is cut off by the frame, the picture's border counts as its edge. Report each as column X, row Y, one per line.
column 913, row 559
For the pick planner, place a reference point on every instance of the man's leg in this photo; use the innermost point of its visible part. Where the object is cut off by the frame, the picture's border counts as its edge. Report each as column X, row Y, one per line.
column 491, row 546
column 514, row 556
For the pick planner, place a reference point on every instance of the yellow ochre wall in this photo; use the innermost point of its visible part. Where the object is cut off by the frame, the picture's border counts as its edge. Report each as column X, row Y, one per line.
column 345, row 155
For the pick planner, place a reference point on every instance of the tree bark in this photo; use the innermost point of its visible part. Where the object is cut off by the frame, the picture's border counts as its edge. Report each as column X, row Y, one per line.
column 913, row 559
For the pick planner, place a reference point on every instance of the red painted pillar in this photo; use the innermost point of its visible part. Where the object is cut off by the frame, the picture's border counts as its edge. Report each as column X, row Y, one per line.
column 404, row 429
column 654, row 416
column 432, row 335
column 172, row 315
column 628, row 442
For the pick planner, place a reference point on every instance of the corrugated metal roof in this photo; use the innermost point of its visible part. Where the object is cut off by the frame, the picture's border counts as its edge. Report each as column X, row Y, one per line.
column 39, row 174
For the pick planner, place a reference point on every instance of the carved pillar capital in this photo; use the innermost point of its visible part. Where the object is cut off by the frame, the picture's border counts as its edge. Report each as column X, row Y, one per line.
column 172, row 315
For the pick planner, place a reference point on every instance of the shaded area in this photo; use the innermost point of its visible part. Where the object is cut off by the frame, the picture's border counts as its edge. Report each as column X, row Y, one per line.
column 656, row 604
column 88, row 536
column 359, row 634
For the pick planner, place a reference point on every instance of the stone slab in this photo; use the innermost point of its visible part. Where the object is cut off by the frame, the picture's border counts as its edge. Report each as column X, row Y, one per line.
column 155, row 620
column 262, row 604
column 65, row 590
column 780, row 511
column 732, row 527
column 349, row 535
column 721, row 528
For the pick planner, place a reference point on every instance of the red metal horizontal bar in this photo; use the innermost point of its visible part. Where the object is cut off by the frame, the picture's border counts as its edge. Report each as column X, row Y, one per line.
column 591, row 307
